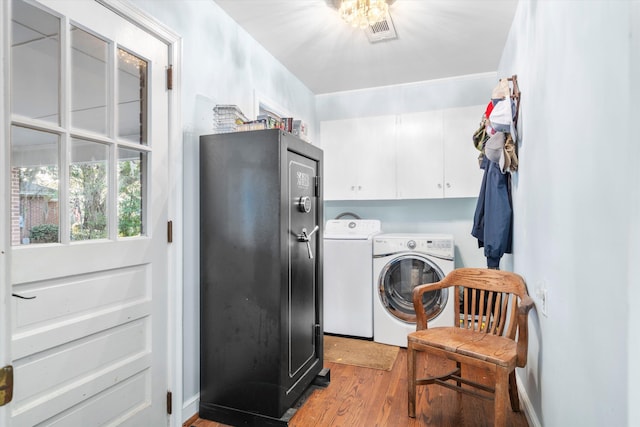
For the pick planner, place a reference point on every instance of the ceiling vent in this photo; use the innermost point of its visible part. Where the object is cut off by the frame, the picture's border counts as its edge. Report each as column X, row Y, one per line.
column 383, row 30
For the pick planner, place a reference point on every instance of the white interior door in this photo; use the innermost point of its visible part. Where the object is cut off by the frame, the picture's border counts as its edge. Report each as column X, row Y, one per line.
column 89, row 140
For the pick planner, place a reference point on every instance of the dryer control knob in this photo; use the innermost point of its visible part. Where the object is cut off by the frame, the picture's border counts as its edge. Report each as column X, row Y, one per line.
column 411, row 244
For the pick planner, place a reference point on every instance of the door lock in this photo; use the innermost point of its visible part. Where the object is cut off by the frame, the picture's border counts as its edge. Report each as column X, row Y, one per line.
column 304, row 237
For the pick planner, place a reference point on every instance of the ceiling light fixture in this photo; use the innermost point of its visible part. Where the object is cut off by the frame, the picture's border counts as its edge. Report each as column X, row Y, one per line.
column 363, row 13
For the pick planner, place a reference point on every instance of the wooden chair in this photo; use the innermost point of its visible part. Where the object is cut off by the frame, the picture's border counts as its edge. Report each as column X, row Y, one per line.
column 490, row 333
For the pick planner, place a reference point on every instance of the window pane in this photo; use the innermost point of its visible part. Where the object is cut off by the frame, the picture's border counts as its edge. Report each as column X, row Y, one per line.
column 35, row 63
column 131, row 192
column 88, row 81
column 132, row 97
column 34, row 187
column 88, row 180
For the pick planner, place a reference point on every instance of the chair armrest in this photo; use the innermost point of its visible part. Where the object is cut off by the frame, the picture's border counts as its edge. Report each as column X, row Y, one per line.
column 525, row 305
column 418, row 291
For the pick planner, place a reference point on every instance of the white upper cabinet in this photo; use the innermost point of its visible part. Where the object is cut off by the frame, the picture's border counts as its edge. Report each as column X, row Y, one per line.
column 462, row 173
column 424, row 155
column 359, row 158
column 419, row 155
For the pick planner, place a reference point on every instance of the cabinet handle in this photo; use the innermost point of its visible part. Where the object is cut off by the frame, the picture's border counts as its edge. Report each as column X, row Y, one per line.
column 439, row 185
column 448, row 185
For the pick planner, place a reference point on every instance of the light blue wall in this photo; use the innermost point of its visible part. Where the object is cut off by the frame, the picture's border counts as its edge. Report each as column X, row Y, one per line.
column 450, row 216
column 453, row 216
column 221, row 64
column 576, row 205
column 576, row 193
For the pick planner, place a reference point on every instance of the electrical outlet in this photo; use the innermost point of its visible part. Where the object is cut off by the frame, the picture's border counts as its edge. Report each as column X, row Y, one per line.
column 543, row 295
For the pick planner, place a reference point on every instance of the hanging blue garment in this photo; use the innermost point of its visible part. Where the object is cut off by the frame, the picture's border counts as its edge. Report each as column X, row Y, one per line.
column 493, row 219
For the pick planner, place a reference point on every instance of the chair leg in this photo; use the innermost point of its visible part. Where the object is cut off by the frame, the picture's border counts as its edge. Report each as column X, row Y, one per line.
column 513, row 392
column 500, row 398
column 411, row 380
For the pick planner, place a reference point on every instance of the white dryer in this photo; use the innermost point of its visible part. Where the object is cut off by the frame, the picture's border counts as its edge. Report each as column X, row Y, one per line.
column 400, row 263
column 347, row 276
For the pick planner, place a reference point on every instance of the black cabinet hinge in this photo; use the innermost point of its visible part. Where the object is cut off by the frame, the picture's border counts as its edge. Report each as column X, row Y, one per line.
column 170, row 231
column 316, row 183
column 169, row 405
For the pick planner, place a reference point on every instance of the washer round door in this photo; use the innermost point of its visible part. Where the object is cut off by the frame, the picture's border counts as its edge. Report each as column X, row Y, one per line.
column 397, row 280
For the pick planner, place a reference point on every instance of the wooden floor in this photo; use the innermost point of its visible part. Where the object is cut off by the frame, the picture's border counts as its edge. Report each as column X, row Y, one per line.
column 363, row 397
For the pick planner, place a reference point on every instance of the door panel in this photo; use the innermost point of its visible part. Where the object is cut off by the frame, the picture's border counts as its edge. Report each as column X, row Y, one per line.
column 303, row 262
column 91, row 347
column 100, row 299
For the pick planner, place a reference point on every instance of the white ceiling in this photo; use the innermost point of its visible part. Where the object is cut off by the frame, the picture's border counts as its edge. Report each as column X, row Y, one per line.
column 436, row 39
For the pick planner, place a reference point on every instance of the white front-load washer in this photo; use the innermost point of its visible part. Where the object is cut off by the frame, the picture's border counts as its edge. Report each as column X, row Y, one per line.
column 347, row 275
column 400, row 263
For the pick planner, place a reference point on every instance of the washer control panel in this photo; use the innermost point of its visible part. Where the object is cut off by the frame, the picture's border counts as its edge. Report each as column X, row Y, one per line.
column 440, row 245
column 351, row 228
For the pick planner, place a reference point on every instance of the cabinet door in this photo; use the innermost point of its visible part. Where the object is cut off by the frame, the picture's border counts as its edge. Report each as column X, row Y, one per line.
column 338, row 141
column 375, row 157
column 419, row 159
column 359, row 158
column 462, row 175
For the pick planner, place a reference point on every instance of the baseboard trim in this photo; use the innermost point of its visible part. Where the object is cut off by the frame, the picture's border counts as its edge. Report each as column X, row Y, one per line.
column 529, row 412
column 190, row 406
column 191, row 420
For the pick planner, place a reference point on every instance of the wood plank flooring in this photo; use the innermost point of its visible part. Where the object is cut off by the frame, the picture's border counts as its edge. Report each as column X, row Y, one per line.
column 363, row 397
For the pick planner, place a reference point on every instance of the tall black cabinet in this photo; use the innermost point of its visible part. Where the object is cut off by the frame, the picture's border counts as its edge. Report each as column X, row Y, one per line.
column 261, row 225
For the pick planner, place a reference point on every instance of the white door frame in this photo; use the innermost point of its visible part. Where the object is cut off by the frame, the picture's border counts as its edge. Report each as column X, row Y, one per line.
column 175, row 206
column 5, row 195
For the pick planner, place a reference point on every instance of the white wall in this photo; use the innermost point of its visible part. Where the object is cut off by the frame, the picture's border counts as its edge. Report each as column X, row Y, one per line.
column 575, row 200
column 634, row 236
column 452, row 216
column 221, row 65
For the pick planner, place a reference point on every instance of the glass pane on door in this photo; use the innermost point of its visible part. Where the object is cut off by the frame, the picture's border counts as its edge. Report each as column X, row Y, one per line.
column 88, row 178
column 35, row 63
column 34, row 187
column 131, row 192
column 132, row 97
column 88, row 81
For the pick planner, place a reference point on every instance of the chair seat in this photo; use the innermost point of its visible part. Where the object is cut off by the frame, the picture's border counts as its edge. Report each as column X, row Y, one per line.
column 479, row 345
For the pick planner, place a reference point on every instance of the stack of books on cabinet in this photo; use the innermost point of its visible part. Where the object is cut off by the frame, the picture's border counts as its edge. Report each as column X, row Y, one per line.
column 229, row 118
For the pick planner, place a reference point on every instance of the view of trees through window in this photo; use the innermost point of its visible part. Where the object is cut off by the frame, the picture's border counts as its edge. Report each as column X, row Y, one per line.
column 38, row 208
column 88, row 191
column 129, row 197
